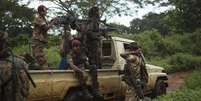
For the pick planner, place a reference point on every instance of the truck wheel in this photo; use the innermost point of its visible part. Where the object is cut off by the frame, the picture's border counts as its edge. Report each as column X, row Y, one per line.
column 160, row 88
column 72, row 96
column 75, row 95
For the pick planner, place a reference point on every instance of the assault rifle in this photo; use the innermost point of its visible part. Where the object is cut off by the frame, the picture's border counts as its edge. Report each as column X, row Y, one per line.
column 136, row 84
column 65, row 20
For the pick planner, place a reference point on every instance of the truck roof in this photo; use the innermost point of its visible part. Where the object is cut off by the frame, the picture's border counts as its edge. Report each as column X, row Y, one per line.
column 122, row 39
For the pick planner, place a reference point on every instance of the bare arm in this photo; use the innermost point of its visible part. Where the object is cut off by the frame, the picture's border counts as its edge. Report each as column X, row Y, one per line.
column 74, row 67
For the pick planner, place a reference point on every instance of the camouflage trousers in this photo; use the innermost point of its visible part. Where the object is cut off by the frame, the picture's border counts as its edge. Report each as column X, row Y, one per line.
column 38, row 53
column 94, row 52
column 7, row 90
column 131, row 95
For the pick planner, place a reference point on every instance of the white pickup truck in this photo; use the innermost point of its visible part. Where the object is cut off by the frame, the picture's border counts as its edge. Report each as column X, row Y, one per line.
column 60, row 85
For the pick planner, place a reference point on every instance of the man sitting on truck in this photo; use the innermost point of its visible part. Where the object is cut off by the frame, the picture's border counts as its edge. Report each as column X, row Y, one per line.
column 77, row 61
column 136, row 75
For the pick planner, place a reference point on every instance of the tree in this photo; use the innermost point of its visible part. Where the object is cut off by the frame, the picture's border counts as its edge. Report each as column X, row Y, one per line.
column 109, row 8
column 149, row 22
column 186, row 15
column 15, row 18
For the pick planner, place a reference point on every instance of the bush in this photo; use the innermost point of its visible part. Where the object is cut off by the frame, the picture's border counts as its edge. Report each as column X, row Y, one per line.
column 53, row 56
column 190, row 92
column 21, row 39
column 162, row 62
column 182, row 95
column 21, row 49
column 194, row 81
column 183, row 61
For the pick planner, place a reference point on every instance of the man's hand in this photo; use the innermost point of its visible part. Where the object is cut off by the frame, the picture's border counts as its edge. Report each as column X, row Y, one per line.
column 54, row 21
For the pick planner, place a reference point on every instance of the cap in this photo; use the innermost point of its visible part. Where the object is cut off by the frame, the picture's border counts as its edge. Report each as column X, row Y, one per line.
column 42, row 8
column 76, row 42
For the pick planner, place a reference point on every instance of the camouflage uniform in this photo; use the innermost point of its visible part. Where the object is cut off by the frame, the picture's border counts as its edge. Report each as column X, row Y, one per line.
column 40, row 40
column 134, row 69
column 12, row 87
column 133, row 66
column 91, row 41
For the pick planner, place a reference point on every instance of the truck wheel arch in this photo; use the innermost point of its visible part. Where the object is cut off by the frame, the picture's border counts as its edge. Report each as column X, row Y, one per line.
column 160, row 86
column 70, row 92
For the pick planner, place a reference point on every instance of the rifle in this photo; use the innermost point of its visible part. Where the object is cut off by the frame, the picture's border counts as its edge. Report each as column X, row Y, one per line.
column 104, row 31
column 30, row 60
column 133, row 82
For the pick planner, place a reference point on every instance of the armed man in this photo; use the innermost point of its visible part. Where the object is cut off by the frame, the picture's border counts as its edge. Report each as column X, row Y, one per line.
column 136, row 76
column 90, row 37
column 40, row 36
column 14, row 83
column 77, row 61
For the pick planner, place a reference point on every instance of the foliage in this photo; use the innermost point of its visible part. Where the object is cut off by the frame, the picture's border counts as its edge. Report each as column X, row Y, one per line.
column 190, row 92
column 15, row 18
column 182, row 61
column 148, row 22
column 175, row 52
column 53, row 56
column 185, row 15
column 21, row 49
column 54, row 40
column 193, row 81
column 21, row 39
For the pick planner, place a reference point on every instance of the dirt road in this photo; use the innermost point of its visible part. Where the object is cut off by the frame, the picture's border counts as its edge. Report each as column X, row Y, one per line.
column 176, row 80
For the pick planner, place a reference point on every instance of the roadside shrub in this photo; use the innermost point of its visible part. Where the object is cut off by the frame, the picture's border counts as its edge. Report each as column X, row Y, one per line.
column 194, row 81
column 162, row 62
column 183, row 61
column 190, row 92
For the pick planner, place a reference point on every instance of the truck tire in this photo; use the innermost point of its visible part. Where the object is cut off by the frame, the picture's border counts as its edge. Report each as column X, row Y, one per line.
column 159, row 89
column 75, row 95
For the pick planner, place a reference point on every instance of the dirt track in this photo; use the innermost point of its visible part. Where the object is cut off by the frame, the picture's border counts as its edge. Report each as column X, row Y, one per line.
column 176, row 80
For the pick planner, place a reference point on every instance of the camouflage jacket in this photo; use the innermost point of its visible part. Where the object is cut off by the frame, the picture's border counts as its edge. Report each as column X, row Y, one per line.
column 132, row 67
column 40, row 29
column 22, row 81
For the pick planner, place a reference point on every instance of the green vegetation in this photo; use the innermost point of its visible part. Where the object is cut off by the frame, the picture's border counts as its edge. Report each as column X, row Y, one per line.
column 53, row 56
column 174, row 52
column 190, row 92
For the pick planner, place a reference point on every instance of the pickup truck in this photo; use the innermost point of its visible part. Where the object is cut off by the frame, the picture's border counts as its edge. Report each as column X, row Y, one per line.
column 60, row 85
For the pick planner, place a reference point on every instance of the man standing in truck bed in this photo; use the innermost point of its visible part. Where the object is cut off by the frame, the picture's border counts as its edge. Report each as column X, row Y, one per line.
column 136, row 75
column 90, row 38
column 40, row 37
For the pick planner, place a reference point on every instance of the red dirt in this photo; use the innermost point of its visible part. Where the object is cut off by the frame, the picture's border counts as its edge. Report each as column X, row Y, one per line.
column 176, row 80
